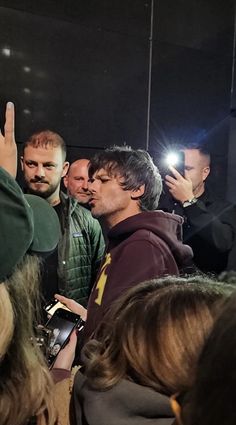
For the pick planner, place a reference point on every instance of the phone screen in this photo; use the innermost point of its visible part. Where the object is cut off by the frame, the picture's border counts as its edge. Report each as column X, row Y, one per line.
column 53, row 305
column 180, row 166
column 61, row 325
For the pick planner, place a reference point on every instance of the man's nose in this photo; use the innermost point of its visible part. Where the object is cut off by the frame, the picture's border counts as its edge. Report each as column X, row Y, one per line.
column 92, row 185
column 85, row 185
column 40, row 172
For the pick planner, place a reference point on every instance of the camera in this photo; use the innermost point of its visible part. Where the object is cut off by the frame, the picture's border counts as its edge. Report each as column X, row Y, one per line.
column 52, row 337
column 176, row 160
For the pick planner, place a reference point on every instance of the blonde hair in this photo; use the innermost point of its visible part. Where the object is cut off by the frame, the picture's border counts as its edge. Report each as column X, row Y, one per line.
column 47, row 139
column 153, row 334
column 25, row 382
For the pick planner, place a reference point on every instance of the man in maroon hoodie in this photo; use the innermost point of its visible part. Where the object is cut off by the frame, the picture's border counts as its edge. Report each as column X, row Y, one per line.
column 142, row 243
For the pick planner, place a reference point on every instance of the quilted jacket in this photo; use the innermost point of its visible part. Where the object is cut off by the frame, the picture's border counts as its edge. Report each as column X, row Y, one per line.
column 80, row 250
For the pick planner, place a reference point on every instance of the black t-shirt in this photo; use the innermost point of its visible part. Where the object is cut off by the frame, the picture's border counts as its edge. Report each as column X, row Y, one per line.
column 49, row 269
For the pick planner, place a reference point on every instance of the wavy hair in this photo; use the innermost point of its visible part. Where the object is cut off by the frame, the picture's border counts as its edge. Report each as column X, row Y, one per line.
column 25, row 382
column 153, row 334
column 136, row 167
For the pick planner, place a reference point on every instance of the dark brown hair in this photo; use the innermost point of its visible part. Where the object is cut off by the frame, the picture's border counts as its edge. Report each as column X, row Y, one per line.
column 136, row 167
column 153, row 334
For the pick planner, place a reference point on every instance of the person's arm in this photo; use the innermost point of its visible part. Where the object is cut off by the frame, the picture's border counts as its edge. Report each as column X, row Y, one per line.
column 8, row 149
column 63, row 364
column 215, row 226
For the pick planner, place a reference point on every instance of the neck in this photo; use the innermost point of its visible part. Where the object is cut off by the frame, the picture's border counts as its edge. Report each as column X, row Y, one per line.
column 116, row 218
column 199, row 190
column 54, row 199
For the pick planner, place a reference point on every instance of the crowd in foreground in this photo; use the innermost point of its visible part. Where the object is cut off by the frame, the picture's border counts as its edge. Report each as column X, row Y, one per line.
column 156, row 343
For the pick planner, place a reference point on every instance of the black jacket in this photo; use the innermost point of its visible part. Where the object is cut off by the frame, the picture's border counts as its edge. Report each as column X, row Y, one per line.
column 209, row 228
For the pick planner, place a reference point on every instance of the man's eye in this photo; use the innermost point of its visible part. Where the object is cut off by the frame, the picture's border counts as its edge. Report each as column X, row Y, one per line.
column 30, row 165
column 49, row 167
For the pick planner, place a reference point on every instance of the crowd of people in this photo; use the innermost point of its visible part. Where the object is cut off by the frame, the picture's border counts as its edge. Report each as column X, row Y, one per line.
column 158, row 341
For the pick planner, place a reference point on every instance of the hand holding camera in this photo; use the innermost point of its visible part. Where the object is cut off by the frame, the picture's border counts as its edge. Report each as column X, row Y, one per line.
column 181, row 188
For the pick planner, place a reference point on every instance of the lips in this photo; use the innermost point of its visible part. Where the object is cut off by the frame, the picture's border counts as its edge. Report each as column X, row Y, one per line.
column 38, row 182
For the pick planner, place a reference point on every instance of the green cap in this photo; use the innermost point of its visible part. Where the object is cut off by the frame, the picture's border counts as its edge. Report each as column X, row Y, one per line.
column 28, row 224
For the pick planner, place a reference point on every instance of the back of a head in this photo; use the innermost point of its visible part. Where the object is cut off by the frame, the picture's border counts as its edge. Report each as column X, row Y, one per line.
column 29, row 225
column 137, row 169
column 212, row 399
column 46, row 139
column 154, row 332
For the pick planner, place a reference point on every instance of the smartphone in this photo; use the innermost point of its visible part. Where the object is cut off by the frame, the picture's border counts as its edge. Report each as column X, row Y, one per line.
column 177, row 160
column 53, row 305
column 61, row 325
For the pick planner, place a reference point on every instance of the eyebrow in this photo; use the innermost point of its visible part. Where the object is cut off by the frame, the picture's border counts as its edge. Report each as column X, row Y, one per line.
column 45, row 164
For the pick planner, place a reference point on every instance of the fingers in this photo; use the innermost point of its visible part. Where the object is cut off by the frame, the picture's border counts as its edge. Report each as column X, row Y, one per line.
column 175, row 173
column 61, row 298
column 9, row 127
column 73, row 306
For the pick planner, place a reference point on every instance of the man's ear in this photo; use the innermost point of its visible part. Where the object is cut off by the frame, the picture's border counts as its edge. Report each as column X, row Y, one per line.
column 65, row 180
column 137, row 193
column 22, row 163
column 65, row 168
column 205, row 172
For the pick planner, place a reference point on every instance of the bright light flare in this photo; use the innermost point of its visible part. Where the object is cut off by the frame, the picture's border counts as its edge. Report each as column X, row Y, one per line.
column 172, row 159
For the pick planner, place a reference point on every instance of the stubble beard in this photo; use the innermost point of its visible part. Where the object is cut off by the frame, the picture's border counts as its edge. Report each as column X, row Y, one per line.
column 43, row 194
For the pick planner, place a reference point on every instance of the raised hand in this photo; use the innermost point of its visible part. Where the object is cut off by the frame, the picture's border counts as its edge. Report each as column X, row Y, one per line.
column 8, row 149
column 181, row 188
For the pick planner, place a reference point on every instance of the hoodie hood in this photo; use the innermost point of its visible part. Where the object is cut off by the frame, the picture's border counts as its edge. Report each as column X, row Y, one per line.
column 166, row 226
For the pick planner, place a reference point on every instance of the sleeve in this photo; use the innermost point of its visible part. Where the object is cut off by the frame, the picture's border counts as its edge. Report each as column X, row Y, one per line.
column 217, row 228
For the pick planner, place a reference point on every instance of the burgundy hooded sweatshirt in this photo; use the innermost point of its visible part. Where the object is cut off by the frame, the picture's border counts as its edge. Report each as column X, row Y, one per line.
column 142, row 247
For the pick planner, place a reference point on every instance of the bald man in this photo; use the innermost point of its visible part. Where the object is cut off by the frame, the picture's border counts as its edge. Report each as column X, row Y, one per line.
column 76, row 181
column 209, row 223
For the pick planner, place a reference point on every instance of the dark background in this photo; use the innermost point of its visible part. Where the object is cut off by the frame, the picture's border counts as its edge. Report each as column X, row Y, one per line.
column 83, row 69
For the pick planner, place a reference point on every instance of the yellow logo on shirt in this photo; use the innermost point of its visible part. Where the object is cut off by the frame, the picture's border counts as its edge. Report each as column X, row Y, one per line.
column 102, row 279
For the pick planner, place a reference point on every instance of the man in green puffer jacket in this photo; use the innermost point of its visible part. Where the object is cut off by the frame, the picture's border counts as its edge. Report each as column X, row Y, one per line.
column 71, row 270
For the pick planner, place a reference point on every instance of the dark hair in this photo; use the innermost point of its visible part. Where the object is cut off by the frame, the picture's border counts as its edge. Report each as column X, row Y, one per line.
column 153, row 334
column 45, row 139
column 212, row 399
column 137, row 169
column 202, row 149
